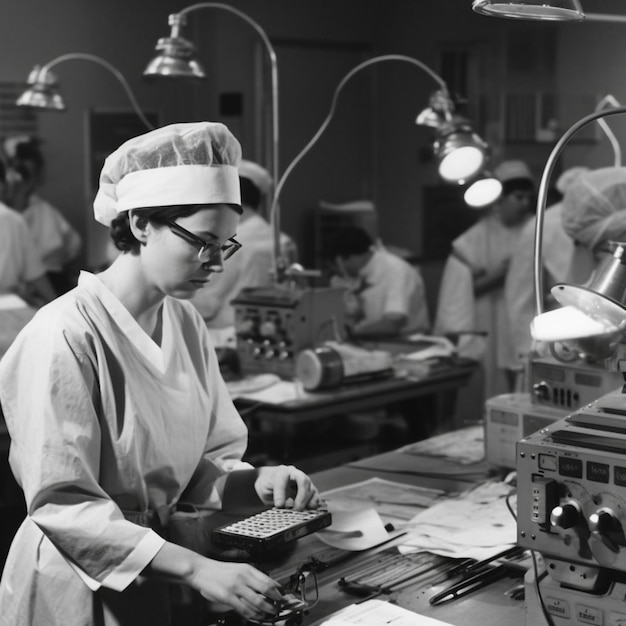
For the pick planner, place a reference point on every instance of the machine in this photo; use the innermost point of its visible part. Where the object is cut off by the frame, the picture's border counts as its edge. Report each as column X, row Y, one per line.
column 557, row 388
column 273, row 324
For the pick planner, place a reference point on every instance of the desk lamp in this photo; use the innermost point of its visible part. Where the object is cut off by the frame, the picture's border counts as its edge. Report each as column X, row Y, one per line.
column 460, row 152
column 43, row 92
column 544, row 10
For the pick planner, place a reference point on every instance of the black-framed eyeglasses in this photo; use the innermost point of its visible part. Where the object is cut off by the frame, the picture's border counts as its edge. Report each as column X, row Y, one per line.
column 207, row 250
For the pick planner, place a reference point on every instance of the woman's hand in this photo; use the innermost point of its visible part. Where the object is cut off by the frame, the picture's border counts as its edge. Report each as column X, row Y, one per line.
column 239, row 585
column 284, row 485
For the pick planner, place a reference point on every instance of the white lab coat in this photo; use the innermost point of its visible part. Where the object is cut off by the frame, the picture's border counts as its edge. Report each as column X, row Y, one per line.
column 19, row 260
column 57, row 241
column 391, row 285
column 487, row 244
column 103, row 419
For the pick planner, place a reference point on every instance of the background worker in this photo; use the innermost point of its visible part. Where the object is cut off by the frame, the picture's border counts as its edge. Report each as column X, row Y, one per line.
column 117, row 410
column 386, row 296
column 56, row 240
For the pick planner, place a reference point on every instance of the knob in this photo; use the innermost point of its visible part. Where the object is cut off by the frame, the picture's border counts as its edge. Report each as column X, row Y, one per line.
column 565, row 516
column 268, row 329
column 604, row 522
column 269, row 354
column 541, row 391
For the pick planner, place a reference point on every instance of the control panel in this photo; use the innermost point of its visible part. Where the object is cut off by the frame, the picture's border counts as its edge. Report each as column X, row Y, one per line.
column 570, row 385
column 273, row 324
column 572, row 489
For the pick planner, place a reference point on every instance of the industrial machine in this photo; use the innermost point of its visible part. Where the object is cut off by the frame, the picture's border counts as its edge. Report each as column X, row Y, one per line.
column 557, row 388
column 572, row 509
column 273, row 324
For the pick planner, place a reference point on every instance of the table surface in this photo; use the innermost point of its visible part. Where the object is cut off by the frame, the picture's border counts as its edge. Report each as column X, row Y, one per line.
column 490, row 606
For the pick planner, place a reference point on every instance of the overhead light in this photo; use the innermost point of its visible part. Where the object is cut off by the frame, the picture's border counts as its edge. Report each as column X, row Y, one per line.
column 550, row 10
column 176, row 55
column 42, row 90
column 483, row 191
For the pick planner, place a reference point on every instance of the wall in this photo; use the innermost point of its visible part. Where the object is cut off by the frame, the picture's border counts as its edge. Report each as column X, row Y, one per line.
column 374, row 149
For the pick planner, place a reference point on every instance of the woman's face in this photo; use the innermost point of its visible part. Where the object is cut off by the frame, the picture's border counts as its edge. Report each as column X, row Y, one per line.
column 515, row 207
column 171, row 262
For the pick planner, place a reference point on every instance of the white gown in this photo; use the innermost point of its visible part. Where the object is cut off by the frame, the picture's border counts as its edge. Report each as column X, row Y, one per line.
column 103, row 419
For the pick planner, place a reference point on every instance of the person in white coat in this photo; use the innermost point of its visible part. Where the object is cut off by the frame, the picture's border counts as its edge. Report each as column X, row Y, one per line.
column 117, row 410
column 471, row 295
column 252, row 267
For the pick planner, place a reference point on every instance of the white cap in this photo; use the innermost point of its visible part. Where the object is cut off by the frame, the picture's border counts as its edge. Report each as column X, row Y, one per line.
column 512, row 170
column 190, row 163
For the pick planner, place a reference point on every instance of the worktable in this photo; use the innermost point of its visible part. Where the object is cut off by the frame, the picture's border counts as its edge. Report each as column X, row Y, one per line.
column 486, row 607
column 427, row 404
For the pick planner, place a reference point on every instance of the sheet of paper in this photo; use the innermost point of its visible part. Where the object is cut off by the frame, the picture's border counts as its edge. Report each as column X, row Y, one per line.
column 379, row 613
column 396, row 503
column 475, row 524
column 355, row 530
column 466, row 445
column 282, row 391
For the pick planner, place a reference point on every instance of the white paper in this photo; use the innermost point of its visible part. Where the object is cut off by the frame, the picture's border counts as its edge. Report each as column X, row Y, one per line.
column 379, row 613
column 355, row 530
column 476, row 524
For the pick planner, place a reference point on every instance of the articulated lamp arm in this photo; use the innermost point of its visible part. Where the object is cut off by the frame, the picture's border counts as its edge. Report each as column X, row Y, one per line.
column 326, row 122
column 43, row 71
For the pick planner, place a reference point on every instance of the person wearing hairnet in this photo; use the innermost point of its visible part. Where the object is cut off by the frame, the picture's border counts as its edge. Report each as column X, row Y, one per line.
column 252, row 267
column 471, row 294
column 57, row 241
column 594, row 214
column 117, row 410
column 556, row 256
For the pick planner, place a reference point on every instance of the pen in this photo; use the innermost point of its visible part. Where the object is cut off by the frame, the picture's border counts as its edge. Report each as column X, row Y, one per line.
column 467, row 585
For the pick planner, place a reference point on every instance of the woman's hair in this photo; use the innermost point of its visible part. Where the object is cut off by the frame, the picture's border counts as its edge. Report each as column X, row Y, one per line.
column 122, row 235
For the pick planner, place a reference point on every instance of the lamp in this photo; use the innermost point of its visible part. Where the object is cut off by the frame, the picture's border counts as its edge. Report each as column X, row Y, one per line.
column 461, row 152
column 483, row 191
column 546, row 10
column 175, row 59
column 596, row 311
column 43, row 93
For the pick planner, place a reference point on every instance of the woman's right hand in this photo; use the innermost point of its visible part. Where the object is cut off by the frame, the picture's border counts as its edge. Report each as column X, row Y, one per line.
column 241, row 586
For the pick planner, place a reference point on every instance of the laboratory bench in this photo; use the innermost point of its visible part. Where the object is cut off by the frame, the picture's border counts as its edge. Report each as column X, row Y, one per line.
column 321, row 429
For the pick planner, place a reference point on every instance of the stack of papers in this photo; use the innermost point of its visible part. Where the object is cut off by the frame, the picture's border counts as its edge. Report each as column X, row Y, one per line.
column 378, row 613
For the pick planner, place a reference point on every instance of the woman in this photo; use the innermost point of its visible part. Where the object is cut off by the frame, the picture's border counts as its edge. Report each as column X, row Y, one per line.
column 116, row 408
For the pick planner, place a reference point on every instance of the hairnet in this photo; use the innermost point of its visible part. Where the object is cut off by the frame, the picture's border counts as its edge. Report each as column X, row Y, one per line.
column 594, row 207
column 257, row 174
column 568, row 177
column 512, row 170
column 188, row 163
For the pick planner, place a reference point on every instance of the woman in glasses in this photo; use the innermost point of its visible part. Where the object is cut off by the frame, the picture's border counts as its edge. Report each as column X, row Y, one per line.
column 117, row 410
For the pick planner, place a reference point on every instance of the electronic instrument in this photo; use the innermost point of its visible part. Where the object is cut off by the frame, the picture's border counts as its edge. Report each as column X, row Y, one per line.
column 571, row 478
column 273, row 324
column 271, row 528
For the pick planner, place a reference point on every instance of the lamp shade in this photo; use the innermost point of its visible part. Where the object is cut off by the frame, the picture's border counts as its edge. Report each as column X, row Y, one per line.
column 175, row 59
column 483, row 191
column 42, row 92
column 550, row 10
column 461, row 153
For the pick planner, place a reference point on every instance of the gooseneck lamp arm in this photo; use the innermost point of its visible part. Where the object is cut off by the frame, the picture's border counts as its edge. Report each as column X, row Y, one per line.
column 543, row 194
column 274, row 74
column 617, row 149
column 96, row 59
column 322, row 128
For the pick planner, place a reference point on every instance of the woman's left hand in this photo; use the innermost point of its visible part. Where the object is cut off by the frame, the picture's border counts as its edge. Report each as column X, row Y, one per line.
column 282, row 485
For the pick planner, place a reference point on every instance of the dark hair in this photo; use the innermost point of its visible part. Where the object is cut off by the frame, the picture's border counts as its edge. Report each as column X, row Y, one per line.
column 250, row 193
column 122, row 235
column 29, row 151
column 3, row 171
column 347, row 241
column 517, row 184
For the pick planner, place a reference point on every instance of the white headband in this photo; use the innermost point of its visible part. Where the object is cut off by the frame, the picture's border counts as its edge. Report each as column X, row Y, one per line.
column 168, row 186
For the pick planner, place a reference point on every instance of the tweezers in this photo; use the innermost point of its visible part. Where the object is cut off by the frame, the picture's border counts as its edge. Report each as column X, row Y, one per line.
column 476, row 576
